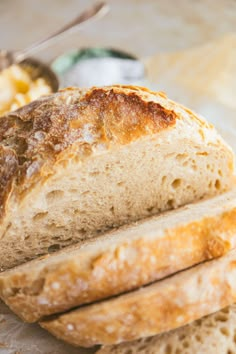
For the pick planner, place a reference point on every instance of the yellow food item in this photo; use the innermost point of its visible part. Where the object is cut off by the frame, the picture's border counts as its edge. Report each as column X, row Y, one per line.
column 17, row 88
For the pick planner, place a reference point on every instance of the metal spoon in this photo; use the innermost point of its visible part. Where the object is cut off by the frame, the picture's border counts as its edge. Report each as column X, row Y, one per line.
column 8, row 58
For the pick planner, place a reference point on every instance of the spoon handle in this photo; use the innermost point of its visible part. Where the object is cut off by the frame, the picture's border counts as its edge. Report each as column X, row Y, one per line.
column 96, row 11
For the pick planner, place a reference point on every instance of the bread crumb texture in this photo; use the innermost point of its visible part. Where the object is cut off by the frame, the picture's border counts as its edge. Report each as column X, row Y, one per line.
column 214, row 334
column 35, row 135
column 80, row 162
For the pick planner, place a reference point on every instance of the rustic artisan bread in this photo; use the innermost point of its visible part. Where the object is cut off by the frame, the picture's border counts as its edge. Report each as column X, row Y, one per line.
column 80, row 161
column 165, row 305
column 123, row 259
column 214, row 334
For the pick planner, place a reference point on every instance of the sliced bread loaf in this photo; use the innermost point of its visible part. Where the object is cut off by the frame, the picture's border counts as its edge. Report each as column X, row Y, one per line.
column 81, row 161
column 123, row 259
column 213, row 334
column 165, row 305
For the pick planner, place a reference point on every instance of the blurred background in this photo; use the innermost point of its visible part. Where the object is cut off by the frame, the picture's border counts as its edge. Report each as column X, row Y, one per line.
column 142, row 27
column 185, row 43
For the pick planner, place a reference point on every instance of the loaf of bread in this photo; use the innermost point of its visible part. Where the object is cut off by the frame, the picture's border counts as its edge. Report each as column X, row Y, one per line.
column 213, row 334
column 162, row 306
column 81, row 161
column 123, row 259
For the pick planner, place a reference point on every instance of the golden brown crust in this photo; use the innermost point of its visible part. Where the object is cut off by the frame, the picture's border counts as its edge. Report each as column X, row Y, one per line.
column 34, row 137
column 165, row 305
column 91, row 274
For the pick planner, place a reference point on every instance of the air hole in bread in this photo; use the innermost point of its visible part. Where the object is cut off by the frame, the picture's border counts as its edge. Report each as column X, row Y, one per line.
column 40, row 216
column 170, row 203
column 163, row 179
column 129, row 351
column 168, row 349
column 54, row 195
column 82, row 231
column 150, row 209
column 181, row 157
column 14, row 291
column 142, row 347
column 76, row 211
column 176, row 183
column 37, row 287
column 198, row 338
column 220, row 317
column 225, row 310
column 186, row 344
column 225, row 331
column 147, row 339
column 217, row 184
column 186, row 163
column 210, row 324
column 182, row 337
column 120, row 183
column 202, row 153
column 53, row 248
column 220, row 173
column 235, row 336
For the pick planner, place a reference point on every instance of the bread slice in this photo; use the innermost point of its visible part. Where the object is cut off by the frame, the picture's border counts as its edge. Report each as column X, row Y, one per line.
column 80, row 161
column 123, row 259
column 214, row 334
column 160, row 307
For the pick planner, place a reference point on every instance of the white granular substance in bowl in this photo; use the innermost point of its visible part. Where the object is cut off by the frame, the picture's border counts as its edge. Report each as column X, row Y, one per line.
column 103, row 72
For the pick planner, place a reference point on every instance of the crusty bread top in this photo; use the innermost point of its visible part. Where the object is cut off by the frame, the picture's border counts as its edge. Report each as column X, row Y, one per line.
column 34, row 137
column 74, row 123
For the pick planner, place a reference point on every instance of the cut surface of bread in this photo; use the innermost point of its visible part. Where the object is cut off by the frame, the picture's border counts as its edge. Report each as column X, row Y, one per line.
column 213, row 334
column 81, row 161
column 165, row 305
column 122, row 259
